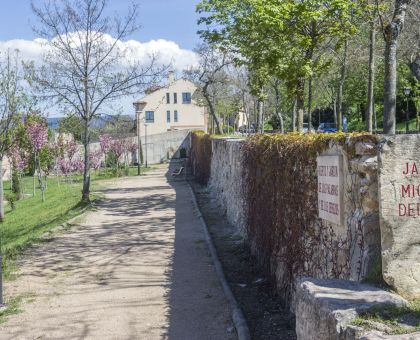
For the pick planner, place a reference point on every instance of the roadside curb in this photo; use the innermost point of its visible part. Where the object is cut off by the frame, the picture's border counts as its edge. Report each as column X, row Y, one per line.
column 237, row 315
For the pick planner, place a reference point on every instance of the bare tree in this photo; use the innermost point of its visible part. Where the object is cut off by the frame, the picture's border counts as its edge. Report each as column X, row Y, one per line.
column 391, row 31
column 208, row 75
column 10, row 100
column 341, row 82
column 371, row 77
column 87, row 65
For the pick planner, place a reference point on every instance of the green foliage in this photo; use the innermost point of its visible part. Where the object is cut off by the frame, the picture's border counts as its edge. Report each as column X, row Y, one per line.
column 72, row 124
column 16, row 183
column 12, row 197
column 12, row 308
column 393, row 317
column 278, row 37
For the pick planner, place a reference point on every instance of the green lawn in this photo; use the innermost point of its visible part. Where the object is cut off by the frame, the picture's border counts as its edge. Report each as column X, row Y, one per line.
column 32, row 218
column 412, row 125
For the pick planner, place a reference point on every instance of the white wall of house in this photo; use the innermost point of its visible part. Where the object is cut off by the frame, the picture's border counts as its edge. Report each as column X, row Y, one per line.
column 170, row 110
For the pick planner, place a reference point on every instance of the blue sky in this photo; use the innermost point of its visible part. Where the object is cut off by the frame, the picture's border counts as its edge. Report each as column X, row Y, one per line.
column 173, row 20
column 168, row 30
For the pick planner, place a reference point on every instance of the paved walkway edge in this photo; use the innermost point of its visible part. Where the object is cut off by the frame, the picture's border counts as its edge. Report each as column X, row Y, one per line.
column 237, row 315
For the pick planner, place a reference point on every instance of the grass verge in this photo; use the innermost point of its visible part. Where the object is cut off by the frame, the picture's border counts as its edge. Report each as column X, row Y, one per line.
column 29, row 222
column 391, row 319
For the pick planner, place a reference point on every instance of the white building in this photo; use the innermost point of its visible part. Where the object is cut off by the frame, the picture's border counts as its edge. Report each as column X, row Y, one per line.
column 170, row 108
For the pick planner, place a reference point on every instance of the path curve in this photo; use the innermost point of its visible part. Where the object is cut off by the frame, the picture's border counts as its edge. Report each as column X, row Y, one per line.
column 136, row 268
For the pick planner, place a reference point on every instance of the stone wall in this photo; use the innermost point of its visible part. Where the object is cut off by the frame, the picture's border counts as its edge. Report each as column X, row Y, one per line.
column 226, row 180
column 378, row 237
column 348, row 251
column 325, row 309
column 165, row 146
column 160, row 147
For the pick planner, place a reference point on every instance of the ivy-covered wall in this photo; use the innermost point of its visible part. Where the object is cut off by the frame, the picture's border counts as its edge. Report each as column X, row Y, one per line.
column 201, row 155
column 268, row 186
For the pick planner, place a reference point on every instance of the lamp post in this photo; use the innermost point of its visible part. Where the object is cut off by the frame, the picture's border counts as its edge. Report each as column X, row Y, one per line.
column 138, row 144
column 407, row 92
column 138, row 112
column 145, row 141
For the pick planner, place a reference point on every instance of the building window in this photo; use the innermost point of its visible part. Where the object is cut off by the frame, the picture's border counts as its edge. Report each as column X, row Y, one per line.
column 176, row 116
column 186, row 98
column 168, row 98
column 175, row 98
column 150, row 117
column 168, row 116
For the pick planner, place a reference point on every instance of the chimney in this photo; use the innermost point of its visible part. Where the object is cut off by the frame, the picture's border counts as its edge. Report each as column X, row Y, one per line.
column 171, row 77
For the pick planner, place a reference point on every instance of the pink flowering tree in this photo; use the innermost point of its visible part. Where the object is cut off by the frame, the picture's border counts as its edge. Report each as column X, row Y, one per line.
column 19, row 161
column 37, row 133
column 118, row 148
column 105, row 143
column 95, row 159
column 78, row 165
column 70, row 160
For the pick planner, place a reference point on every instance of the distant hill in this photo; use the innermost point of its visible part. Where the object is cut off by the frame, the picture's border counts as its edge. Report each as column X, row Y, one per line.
column 97, row 123
column 54, row 122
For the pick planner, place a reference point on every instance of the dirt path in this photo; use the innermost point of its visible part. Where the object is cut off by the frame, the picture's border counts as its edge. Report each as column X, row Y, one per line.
column 136, row 268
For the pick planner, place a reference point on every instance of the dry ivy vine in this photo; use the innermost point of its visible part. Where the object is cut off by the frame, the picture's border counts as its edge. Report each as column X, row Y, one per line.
column 282, row 226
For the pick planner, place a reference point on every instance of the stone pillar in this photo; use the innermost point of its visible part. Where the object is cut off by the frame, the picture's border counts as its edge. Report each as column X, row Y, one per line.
column 399, row 194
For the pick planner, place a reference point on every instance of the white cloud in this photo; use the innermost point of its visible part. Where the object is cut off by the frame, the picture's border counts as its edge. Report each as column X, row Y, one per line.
column 167, row 52
column 29, row 49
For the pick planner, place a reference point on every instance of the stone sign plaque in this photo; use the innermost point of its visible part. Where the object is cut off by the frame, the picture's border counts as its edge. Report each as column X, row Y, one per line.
column 399, row 193
column 330, row 188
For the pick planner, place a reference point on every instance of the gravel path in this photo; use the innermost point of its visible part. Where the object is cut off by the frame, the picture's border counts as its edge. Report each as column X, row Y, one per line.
column 136, row 268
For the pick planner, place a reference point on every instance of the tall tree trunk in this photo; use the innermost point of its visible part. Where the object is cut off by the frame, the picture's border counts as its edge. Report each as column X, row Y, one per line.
column 1, row 191
column 341, row 86
column 392, row 32
column 335, row 110
column 310, row 104
column 415, row 70
column 86, row 171
column 246, row 112
column 300, row 103
column 278, row 109
column 1, row 221
column 260, row 116
column 371, row 79
column 294, row 115
column 40, row 180
column 211, row 108
column 415, row 67
column 213, row 114
column 33, row 178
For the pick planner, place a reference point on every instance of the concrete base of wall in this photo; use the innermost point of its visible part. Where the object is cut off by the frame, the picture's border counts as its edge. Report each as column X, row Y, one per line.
column 325, row 309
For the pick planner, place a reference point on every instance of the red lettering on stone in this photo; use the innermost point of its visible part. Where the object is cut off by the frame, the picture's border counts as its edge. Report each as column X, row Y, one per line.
column 405, row 190
column 414, row 170
column 405, row 210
